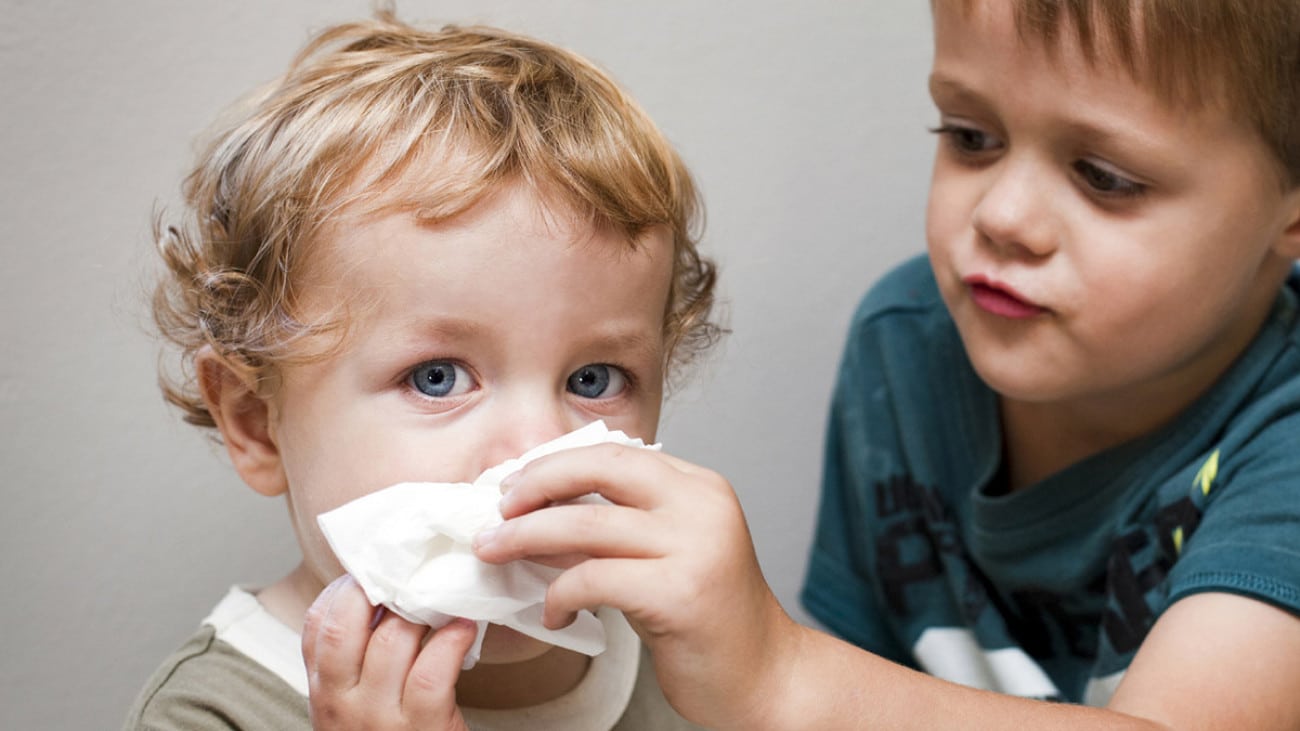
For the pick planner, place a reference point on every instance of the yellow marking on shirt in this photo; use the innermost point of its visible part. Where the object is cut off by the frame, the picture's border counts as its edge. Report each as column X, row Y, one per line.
column 1205, row 476
column 1178, row 540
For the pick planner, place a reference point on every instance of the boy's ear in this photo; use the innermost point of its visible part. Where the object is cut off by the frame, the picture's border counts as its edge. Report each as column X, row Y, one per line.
column 244, row 419
column 1289, row 245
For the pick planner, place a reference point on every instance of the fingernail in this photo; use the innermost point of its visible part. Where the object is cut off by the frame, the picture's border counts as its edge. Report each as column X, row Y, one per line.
column 503, row 507
column 507, row 493
column 377, row 616
column 484, row 537
column 509, row 483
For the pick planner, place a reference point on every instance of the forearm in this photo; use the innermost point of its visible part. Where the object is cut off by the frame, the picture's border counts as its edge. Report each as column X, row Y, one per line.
column 829, row 684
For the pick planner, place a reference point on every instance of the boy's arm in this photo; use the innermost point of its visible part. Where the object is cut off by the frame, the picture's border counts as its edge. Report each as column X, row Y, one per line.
column 1213, row 661
column 370, row 674
column 675, row 555
column 1217, row 660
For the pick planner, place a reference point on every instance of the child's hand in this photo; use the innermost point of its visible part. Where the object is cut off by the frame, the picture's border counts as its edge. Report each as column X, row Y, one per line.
column 363, row 674
column 673, row 553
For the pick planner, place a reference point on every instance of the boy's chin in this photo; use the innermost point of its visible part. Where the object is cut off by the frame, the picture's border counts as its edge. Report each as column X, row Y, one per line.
column 502, row 645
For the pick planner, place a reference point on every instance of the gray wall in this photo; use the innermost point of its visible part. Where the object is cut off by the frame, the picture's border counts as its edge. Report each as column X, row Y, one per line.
column 121, row 526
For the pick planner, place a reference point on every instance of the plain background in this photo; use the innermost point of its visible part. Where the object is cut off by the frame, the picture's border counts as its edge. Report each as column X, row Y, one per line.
column 804, row 124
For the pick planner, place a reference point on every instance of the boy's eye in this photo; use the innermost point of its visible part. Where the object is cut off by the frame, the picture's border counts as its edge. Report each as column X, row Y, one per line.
column 967, row 140
column 597, row 381
column 441, row 378
column 1104, row 181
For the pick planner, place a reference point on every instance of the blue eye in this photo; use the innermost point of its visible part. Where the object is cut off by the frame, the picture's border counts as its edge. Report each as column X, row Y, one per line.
column 440, row 379
column 1106, row 182
column 597, row 381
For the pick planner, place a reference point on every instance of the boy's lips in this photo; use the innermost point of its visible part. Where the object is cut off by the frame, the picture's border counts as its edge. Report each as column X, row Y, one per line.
column 1000, row 299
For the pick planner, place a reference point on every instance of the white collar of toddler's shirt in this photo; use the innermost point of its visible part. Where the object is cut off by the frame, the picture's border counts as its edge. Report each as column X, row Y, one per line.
column 599, row 698
column 244, row 623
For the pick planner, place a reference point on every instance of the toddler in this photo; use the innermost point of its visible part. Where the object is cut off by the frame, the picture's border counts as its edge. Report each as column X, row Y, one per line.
column 417, row 254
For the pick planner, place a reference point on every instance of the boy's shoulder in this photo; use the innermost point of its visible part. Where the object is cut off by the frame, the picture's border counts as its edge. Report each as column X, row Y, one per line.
column 907, row 288
column 1265, row 381
column 208, row 684
column 903, row 316
column 902, row 341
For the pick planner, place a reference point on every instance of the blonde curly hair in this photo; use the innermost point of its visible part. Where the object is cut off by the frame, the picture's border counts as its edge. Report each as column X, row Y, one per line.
column 362, row 106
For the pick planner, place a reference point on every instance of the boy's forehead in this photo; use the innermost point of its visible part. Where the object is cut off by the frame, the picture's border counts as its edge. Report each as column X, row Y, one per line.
column 1110, row 38
column 1059, row 34
column 1086, row 88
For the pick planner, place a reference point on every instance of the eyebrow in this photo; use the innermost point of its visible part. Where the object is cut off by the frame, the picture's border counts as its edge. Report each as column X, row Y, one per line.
column 626, row 341
column 450, row 327
column 614, row 339
column 947, row 87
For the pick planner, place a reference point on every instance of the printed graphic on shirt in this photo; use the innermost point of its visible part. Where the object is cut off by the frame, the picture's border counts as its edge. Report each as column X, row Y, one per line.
column 968, row 632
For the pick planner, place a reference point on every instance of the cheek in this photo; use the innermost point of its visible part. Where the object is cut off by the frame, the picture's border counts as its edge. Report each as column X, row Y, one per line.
column 1151, row 279
column 946, row 213
column 647, row 421
column 327, row 467
column 637, row 417
column 1142, row 324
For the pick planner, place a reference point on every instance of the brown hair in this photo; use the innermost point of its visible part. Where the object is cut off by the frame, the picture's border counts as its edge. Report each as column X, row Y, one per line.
column 1245, row 55
column 364, row 103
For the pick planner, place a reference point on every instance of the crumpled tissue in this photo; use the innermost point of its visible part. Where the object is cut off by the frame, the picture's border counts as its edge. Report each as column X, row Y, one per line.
column 409, row 547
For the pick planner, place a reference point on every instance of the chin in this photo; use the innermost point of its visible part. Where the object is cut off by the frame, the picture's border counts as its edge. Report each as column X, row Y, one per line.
column 502, row 645
column 1011, row 380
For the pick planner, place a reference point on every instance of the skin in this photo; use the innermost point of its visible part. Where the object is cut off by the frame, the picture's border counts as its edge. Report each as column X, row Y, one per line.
column 1151, row 241
column 469, row 342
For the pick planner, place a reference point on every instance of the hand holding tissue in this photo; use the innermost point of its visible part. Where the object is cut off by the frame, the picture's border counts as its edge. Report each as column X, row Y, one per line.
column 408, row 546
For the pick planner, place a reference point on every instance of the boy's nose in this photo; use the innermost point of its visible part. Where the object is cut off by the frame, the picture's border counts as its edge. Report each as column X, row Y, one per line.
column 1011, row 214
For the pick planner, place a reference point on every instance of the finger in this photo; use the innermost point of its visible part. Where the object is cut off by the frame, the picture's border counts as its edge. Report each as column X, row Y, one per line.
column 564, row 530
column 340, row 637
column 560, row 561
column 429, row 696
column 391, row 652
column 617, row 583
column 621, row 474
column 311, row 623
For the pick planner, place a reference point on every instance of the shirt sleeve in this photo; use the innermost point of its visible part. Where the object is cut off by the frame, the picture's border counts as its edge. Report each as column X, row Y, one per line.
column 1247, row 540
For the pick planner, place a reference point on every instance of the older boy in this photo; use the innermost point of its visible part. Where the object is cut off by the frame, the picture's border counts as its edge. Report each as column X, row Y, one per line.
column 1064, row 453
column 415, row 255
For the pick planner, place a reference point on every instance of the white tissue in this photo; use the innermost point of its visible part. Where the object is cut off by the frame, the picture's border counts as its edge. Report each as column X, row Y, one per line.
column 408, row 546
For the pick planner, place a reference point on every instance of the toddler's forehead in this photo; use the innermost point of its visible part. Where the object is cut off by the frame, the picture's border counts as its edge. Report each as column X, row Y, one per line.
column 344, row 244
column 546, row 211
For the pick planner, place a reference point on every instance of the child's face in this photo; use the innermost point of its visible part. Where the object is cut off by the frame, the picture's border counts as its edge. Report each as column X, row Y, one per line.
column 1091, row 241
column 471, row 341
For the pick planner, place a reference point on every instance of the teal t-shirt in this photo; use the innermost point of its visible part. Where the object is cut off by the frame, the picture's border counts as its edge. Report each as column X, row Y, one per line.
column 1048, row 591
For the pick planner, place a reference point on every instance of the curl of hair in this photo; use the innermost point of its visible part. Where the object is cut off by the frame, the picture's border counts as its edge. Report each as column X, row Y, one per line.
column 380, row 115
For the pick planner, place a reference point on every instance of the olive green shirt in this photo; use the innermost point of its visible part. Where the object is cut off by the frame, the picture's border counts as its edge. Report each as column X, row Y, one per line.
column 210, row 684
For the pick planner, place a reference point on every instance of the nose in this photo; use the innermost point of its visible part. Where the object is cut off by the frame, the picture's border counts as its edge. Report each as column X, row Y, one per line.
column 519, row 424
column 1013, row 213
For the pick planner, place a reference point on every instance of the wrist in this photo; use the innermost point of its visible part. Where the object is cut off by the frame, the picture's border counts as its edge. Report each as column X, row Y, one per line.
column 776, row 675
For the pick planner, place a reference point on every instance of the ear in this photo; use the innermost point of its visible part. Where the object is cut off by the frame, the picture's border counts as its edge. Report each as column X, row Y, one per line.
column 244, row 419
column 1289, row 243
